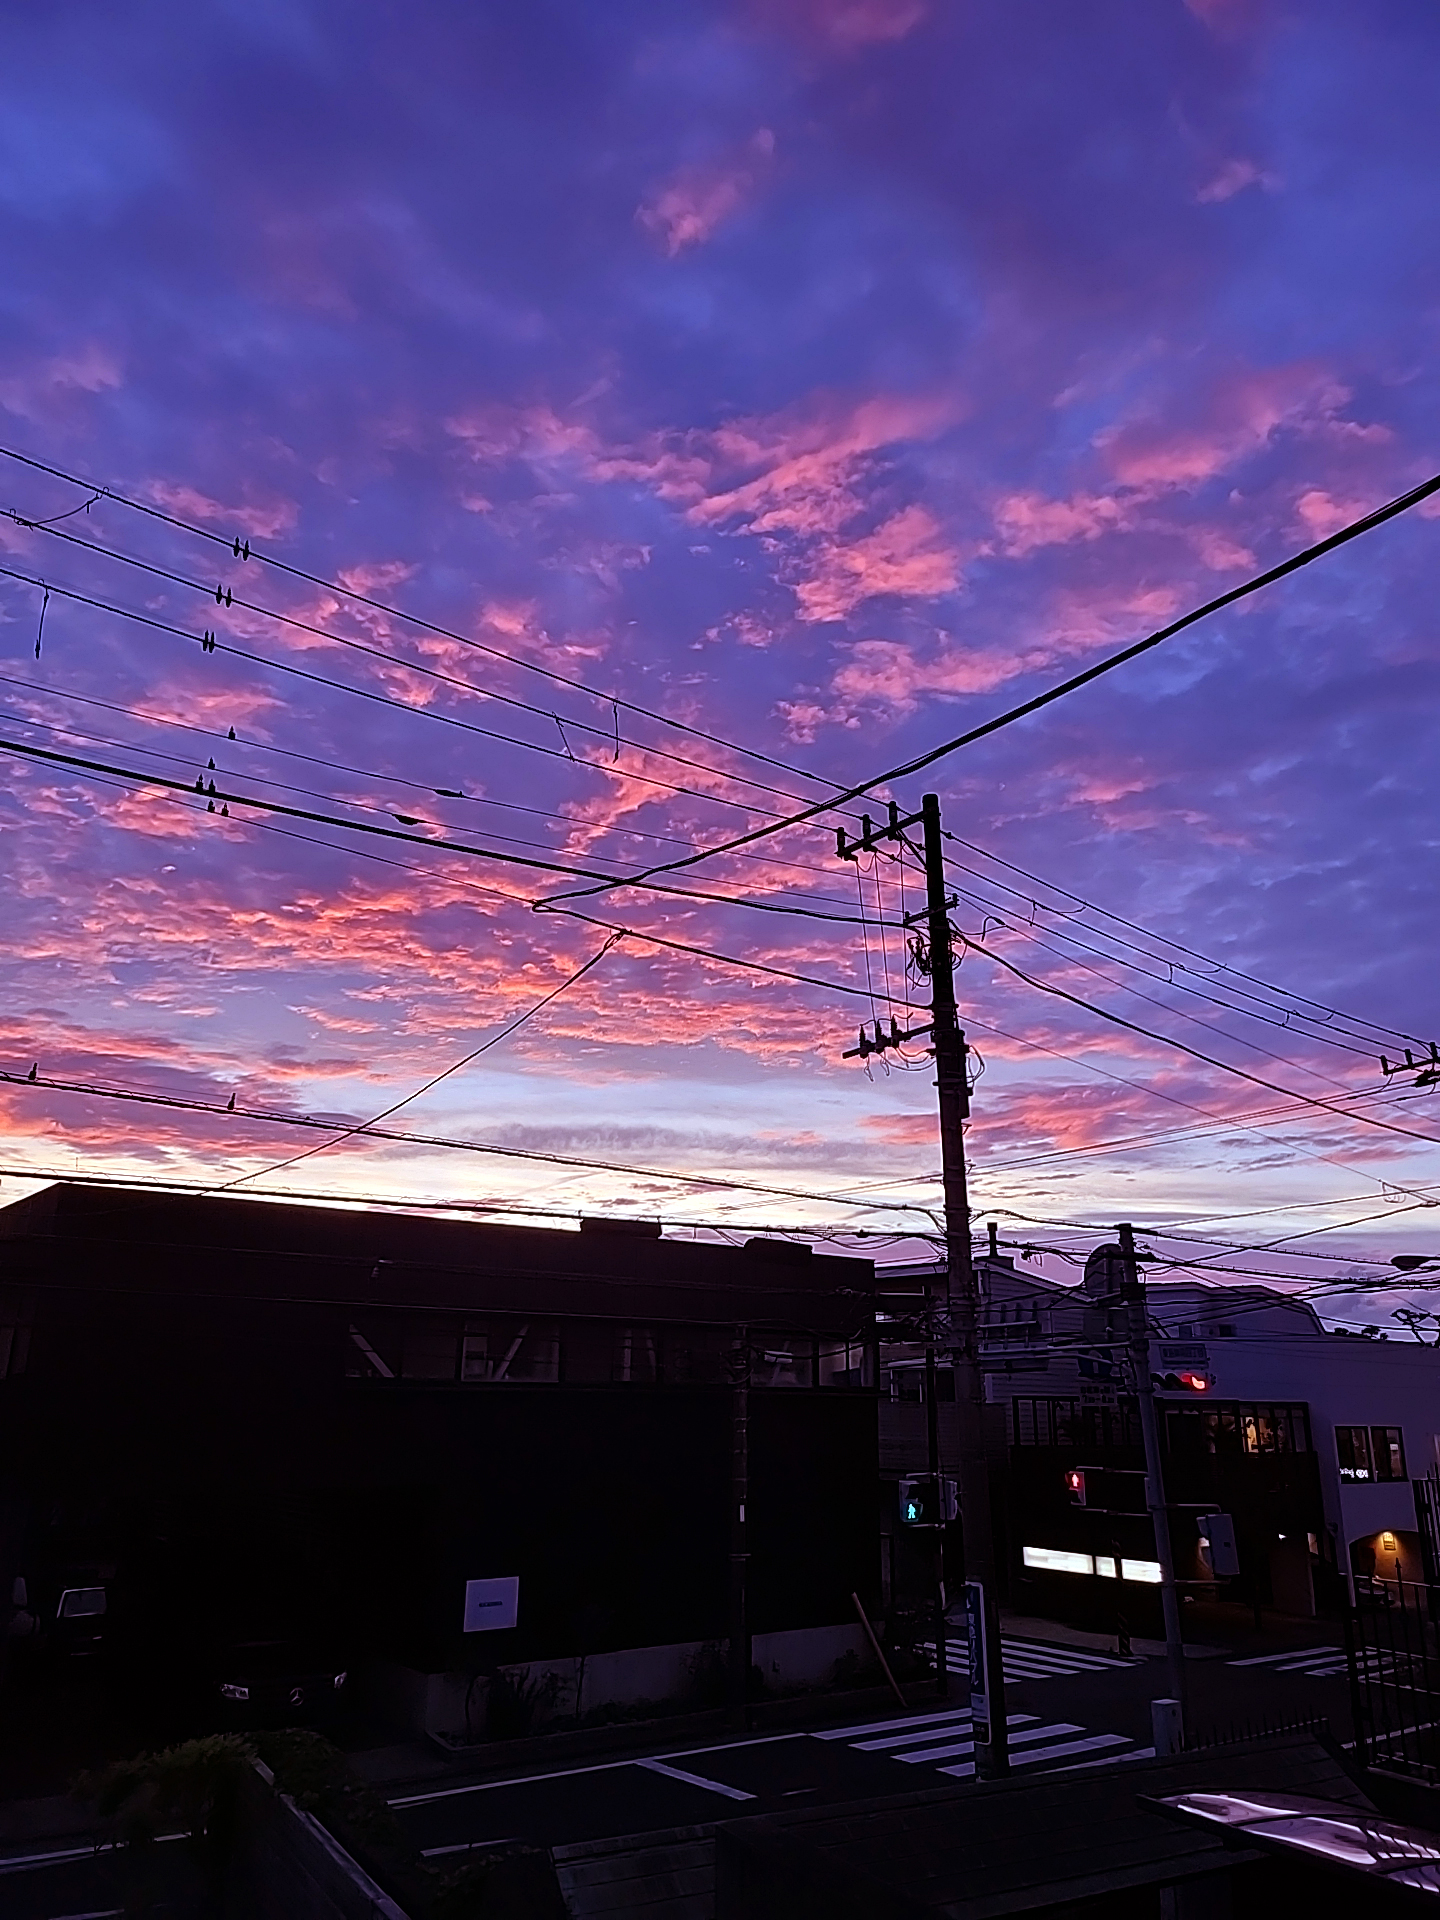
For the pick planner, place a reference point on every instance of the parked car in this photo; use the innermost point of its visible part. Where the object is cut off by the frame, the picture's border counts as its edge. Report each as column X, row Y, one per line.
column 278, row 1683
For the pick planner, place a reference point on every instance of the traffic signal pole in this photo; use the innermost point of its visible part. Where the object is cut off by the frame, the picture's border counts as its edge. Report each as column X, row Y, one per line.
column 737, row 1677
column 961, row 1304
column 1138, row 1327
column 937, row 1498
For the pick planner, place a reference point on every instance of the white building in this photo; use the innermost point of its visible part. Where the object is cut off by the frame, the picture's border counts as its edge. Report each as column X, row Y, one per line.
column 1278, row 1383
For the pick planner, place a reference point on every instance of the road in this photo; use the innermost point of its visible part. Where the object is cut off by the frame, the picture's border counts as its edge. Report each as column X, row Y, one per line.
column 1067, row 1706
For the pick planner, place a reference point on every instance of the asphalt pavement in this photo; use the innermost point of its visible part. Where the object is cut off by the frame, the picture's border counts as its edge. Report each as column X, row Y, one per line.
column 1069, row 1704
column 1067, row 1707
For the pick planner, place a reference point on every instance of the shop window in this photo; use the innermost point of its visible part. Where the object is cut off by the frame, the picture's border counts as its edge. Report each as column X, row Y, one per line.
column 1352, row 1451
column 1387, row 1453
column 637, row 1357
column 370, row 1352
column 1031, row 1423
column 845, row 1365
column 701, row 1356
column 514, row 1351
column 429, row 1353
column 1274, row 1429
column 906, row 1383
column 783, row 1363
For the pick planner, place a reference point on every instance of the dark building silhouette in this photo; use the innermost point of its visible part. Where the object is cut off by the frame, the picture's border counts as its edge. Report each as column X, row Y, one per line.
column 229, row 1412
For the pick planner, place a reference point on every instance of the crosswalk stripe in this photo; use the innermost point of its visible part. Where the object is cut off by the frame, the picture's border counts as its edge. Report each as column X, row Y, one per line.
column 1291, row 1653
column 1030, row 1660
column 884, row 1726
column 1090, row 1745
column 891, row 1741
column 1069, row 1657
column 968, row 1746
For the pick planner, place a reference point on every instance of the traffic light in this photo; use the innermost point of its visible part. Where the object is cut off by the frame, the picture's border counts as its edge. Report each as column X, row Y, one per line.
column 922, row 1504
column 1075, row 1485
column 1186, row 1380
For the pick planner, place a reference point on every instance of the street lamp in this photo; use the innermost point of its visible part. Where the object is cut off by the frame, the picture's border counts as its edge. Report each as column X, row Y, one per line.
column 1414, row 1262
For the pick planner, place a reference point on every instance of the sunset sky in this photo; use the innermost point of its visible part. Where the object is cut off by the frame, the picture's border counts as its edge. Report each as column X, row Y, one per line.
column 818, row 377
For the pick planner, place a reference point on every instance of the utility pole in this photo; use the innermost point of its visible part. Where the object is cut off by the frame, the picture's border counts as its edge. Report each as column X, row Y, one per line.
column 937, row 1497
column 1138, row 1327
column 737, row 1690
column 962, row 1294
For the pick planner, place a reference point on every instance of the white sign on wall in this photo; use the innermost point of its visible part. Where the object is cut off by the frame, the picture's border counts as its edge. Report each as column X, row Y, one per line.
column 491, row 1604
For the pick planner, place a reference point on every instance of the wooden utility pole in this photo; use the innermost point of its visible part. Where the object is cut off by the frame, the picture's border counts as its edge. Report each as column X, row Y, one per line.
column 977, row 1526
column 960, row 1305
column 1138, row 1327
column 737, row 1689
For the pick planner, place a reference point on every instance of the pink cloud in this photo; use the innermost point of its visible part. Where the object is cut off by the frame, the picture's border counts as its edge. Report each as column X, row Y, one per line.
column 798, row 476
column 376, row 577
column 907, row 555
column 688, row 209
column 1219, row 552
column 90, row 368
column 1320, row 514
column 810, row 459
column 1244, row 415
column 1233, row 177
column 261, row 520
column 1026, row 521
column 891, row 674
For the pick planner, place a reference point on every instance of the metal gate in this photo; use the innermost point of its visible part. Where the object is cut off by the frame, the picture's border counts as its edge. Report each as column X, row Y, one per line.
column 1394, row 1657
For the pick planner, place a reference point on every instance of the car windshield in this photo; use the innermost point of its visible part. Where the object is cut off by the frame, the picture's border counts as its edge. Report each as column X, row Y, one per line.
column 81, row 1603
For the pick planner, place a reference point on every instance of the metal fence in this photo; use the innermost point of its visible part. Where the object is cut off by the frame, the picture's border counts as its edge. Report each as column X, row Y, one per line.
column 1394, row 1661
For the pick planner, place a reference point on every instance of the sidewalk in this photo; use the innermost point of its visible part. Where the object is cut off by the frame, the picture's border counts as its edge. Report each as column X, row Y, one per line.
column 1211, row 1633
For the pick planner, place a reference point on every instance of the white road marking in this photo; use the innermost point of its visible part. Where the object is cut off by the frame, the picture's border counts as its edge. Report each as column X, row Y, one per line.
column 884, row 1726
column 28, row 1862
column 519, row 1780
column 968, row 1746
column 695, row 1780
column 467, row 1846
column 1327, row 1651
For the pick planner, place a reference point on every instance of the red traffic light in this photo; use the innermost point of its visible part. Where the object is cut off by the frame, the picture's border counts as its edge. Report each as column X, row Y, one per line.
column 1075, row 1484
column 1186, row 1380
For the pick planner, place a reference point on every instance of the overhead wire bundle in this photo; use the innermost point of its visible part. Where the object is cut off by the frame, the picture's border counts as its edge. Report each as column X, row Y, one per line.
column 1086, row 941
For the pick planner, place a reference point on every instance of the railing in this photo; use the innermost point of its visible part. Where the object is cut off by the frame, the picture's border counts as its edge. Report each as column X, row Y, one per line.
column 1394, row 1661
column 1258, row 1727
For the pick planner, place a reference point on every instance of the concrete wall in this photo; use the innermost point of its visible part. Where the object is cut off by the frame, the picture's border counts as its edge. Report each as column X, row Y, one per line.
column 288, row 1864
column 568, row 1689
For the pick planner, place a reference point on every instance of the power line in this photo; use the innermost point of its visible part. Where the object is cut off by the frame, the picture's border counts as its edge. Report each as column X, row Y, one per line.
column 390, row 659
column 485, row 1046
column 382, row 699
column 1164, row 1040
column 233, row 736
column 1218, row 1123
column 362, row 806
column 380, row 606
column 671, row 944
column 369, row 1130
column 214, row 793
column 1180, row 1013
column 1027, row 931
column 869, row 993
column 1353, row 531
column 1324, row 1013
